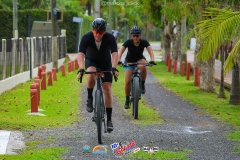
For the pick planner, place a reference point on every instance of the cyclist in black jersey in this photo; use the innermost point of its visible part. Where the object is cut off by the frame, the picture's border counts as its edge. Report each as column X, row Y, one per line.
column 99, row 49
column 135, row 47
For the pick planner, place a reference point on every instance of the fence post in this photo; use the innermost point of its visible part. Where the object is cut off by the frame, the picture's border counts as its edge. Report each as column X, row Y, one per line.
column 69, row 67
column 49, row 49
column 196, row 76
column 32, row 56
column 183, row 68
column 37, row 82
column 169, row 65
column 72, row 66
column 20, row 42
column 29, row 53
column 13, row 56
column 188, row 70
column 63, row 70
column 34, row 98
column 50, row 78
column 76, row 64
column 41, row 50
column 40, row 69
column 167, row 58
column 4, row 58
column 54, row 70
column 43, row 82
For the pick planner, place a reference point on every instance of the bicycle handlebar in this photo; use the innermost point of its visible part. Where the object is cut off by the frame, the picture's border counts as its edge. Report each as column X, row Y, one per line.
column 135, row 64
column 97, row 73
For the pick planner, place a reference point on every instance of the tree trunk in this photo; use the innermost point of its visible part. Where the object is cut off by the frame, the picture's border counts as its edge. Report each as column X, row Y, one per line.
column 235, row 89
column 207, row 79
column 166, row 41
column 89, row 7
column 182, row 39
column 177, row 42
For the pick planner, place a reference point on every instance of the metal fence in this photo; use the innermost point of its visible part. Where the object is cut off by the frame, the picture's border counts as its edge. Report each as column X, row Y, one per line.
column 17, row 55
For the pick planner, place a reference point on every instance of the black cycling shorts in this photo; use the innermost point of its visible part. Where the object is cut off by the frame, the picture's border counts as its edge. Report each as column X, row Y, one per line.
column 106, row 67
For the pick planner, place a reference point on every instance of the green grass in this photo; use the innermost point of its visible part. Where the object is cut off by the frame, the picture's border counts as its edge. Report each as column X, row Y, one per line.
column 159, row 155
column 60, row 108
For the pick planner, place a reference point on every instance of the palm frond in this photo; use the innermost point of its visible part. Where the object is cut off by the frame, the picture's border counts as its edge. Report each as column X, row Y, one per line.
column 224, row 25
column 231, row 60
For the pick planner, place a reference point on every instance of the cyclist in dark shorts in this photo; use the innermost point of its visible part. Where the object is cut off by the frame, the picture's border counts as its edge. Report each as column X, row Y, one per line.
column 135, row 47
column 99, row 48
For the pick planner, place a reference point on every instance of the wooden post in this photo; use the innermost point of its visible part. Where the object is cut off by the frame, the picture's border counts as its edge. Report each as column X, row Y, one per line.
column 188, row 70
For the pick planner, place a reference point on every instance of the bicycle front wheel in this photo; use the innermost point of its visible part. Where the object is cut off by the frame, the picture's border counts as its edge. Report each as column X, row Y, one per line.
column 136, row 91
column 99, row 116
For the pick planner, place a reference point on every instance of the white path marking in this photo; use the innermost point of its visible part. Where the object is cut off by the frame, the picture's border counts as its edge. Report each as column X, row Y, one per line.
column 4, row 138
column 184, row 130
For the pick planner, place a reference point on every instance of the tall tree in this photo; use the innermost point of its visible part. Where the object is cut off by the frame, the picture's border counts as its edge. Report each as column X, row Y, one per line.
column 228, row 29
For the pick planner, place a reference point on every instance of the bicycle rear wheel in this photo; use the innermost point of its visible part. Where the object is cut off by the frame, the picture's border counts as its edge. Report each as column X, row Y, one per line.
column 136, row 91
column 99, row 116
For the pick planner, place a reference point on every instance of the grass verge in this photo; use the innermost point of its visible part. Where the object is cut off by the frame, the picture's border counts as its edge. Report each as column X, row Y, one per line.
column 60, row 108
column 60, row 104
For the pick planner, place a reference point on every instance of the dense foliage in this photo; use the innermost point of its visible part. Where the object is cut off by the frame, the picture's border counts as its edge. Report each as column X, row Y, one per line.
column 6, row 24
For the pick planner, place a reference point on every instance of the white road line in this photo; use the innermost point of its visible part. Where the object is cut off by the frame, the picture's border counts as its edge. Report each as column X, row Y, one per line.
column 182, row 130
column 4, row 138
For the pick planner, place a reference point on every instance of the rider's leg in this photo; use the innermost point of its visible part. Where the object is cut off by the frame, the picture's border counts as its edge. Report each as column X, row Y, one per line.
column 127, row 86
column 90, row 86
column 107, row 91
column 143, row 71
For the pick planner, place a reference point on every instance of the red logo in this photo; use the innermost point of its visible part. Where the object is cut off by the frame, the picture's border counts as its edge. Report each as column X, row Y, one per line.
column 125, row 147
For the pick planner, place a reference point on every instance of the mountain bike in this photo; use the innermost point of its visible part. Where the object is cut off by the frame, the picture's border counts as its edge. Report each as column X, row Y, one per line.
column 136, row 87
column 99, row 106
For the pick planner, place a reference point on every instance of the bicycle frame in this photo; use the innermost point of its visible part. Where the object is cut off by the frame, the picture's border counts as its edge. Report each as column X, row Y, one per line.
column 99, row 106
column 136, row 87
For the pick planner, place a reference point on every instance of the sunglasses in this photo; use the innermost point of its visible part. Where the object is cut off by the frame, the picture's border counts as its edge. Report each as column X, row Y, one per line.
column 98, row 32
column 136, row 35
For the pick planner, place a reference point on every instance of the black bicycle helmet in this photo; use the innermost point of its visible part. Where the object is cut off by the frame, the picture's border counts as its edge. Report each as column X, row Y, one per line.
column 99, row 24
column 135, row 30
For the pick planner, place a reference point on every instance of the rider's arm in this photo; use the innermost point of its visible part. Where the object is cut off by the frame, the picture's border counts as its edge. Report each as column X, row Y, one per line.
column 80, row 59
column 114, row 59
column 150, row 52
column 120, row 52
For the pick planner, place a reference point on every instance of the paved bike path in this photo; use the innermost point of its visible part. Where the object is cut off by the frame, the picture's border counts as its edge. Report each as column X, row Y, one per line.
column 184, row 127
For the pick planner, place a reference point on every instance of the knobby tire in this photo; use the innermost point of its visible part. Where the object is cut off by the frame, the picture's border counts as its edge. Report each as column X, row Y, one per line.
column 99, row 116
column 136, row 91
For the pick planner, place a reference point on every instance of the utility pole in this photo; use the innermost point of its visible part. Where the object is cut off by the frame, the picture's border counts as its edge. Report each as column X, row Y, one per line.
column 15, row 19
column 54, row 35
column 96, row 9
column 110, row 17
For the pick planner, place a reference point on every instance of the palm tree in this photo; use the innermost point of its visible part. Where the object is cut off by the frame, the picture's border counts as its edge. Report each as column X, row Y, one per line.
column 221, row 27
